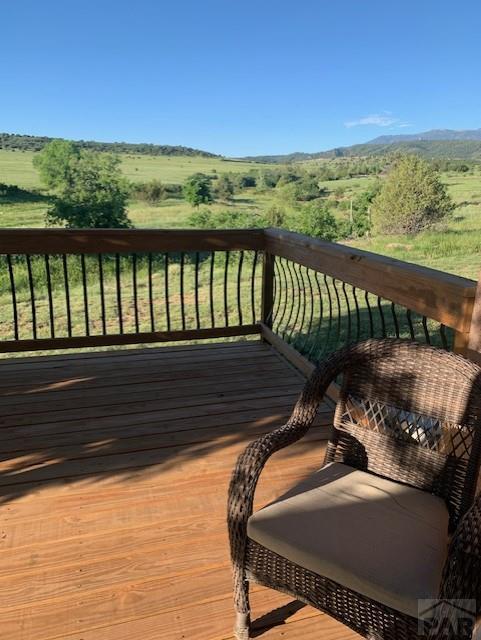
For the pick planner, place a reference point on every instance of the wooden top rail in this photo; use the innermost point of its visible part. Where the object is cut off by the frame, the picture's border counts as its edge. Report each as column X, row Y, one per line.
column 444, row 297
column 441, row 296
column 77, row 241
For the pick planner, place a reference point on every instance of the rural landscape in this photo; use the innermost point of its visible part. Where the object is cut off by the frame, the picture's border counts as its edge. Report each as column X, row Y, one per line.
column 411, row 203
column 240, row 320
column 329, row 196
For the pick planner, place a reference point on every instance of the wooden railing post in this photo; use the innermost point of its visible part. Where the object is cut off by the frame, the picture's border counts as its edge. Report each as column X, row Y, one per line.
column 268, row 289
column 462, row 337
column 473, row 341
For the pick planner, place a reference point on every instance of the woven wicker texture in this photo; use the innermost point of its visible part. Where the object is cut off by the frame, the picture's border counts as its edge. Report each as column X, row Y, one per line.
column 407, row 412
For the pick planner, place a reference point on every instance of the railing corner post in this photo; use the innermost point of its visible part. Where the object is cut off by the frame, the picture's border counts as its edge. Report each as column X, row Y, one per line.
column 469, row 344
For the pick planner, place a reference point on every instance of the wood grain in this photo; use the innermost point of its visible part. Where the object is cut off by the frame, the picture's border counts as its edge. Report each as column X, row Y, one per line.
column 77, row 241
column 435, row 294
column 80, row 342
column 112, row 494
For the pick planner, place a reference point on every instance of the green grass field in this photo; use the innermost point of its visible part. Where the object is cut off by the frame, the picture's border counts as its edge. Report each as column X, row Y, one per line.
column 455, row 248
column 16, row 168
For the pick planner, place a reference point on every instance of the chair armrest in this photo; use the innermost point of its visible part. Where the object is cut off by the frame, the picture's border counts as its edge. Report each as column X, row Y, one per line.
column 251, row 462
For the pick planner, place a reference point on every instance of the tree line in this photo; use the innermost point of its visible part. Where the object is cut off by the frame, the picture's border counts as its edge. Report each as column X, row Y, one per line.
column 13, row 141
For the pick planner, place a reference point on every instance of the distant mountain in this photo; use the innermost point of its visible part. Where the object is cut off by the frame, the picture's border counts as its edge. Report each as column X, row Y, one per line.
column 35, row 143
column 433, row 134
column 438, row 143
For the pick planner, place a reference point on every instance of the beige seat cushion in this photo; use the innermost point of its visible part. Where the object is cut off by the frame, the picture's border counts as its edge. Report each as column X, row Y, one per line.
column 382, row 539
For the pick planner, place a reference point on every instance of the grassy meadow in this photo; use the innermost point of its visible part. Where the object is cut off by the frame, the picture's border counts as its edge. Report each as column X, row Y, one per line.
column 456, row 247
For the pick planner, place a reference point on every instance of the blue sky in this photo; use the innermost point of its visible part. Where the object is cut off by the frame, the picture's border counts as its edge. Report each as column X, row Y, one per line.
column 239, row 77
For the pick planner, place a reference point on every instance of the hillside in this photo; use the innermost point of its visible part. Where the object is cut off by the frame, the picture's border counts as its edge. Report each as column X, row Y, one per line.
column 459, row 149
column 15, row 142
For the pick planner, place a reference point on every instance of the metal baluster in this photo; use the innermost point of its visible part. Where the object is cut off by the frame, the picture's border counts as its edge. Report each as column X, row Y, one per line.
column 166, row 290
column 358, row 315
column 239, row 280
column 119, row 293
column 338, row 302
column 182, row 302
column 32, row 296
column 321, row 317
column 348, row 338
column 102, row 294
column 410, row 324
column 49, row 295
column 67, row 295
column 151, row 294
column 85, row 292
column 134, row 287
column 211, row 288
column 196, row 292
column 394, row 317
column 381, row 315
column 426, row 331
column 253, row 284
column 285, row 286
column 226, row 306
column 14, row 296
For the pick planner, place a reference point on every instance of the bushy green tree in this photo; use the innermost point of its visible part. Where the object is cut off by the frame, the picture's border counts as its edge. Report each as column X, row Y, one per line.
column 307, row 189
column 56, row 163
column 197, row 190
column 224, row 187
column 95, row 195
column 316, row 220
column 412, row 198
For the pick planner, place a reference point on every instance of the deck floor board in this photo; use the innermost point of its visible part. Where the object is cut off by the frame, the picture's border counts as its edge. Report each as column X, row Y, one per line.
column 114, row 469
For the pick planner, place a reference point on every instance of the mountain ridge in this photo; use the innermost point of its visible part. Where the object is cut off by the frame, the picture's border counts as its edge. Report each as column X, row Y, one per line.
column 462, row 144
column 431, row 135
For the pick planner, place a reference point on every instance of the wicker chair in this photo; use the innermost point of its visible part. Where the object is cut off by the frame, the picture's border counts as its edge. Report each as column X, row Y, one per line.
column 405, row 448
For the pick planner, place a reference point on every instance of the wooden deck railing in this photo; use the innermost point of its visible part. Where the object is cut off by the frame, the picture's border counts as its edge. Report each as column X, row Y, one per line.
column 66, row 288
column 327, row 295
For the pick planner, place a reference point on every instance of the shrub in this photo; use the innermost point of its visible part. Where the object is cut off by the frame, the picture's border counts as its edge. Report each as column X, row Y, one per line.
column 244, row 180
column 152, row 192
column 411, row 199
column 9, row 190
column 206, row 219
column 196, row 190
column 224, row 188
column 276, row 216
column 307, row 189
column 316, row 220
column 173, row 190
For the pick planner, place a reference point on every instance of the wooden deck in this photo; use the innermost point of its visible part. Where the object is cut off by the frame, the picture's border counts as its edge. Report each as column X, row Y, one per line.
column 113, row 479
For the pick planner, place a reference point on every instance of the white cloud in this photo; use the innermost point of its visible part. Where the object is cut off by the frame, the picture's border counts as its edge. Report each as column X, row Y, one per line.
column 376, row 119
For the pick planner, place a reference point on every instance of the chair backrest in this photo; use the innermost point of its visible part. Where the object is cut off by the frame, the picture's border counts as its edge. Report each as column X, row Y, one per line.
column 411, row 413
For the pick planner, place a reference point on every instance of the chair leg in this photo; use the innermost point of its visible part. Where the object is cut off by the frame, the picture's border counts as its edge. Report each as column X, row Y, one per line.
column 241, row 604
column 242, row 626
